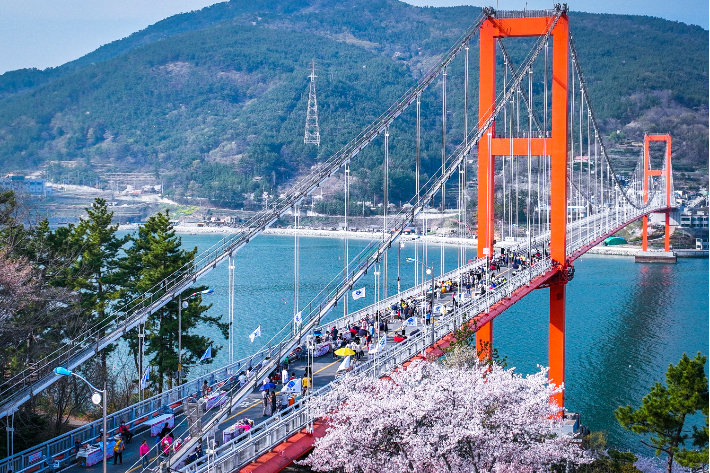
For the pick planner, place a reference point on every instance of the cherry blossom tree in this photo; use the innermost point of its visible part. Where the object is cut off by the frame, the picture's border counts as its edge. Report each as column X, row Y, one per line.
column 459, row 416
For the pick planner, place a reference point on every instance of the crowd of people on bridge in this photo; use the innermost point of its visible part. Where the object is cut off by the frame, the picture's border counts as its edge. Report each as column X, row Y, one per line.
column 358, row 335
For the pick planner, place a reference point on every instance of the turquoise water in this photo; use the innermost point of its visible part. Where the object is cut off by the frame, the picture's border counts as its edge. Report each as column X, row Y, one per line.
column 625, row 321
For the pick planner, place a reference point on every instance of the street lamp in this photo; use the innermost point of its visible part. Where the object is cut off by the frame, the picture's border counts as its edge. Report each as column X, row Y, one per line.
column 429, row 270
column 310, row 353
column 183, row 304
column 98, row 397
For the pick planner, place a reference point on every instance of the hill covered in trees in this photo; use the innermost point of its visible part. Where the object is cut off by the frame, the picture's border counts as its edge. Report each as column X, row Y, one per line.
column 213, row 102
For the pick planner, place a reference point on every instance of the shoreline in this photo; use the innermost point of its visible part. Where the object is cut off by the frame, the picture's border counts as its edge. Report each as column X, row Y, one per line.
column 194, row 230
column 472, row 243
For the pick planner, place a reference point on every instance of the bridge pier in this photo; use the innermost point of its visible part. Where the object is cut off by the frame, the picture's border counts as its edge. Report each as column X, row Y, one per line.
column 648, row 174
column 553, row 143
column 556, row 349
column 484, row 340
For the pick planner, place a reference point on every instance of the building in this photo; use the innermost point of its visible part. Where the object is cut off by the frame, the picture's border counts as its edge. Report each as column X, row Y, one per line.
column 695, row 219
column 26, row 185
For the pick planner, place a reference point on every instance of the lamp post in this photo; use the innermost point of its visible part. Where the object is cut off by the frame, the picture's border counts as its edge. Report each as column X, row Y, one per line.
column 399, row 280
column 310, row 353
column 184, row 304
column 99, row 396
column 429, row 270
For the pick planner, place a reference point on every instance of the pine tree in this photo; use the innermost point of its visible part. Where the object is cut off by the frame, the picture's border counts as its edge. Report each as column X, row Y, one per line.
column 664, row 410
column 157, row 253
column 94, row 273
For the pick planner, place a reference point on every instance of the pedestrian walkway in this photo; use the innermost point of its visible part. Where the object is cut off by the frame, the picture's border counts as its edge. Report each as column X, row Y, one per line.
column 324, row 370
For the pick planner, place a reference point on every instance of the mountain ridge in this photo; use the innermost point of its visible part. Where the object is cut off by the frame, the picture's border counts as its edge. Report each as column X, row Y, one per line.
column 215, row 98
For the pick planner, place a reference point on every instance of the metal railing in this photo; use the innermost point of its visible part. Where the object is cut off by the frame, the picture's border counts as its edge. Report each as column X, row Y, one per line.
column 248, row 446
column 41, row 457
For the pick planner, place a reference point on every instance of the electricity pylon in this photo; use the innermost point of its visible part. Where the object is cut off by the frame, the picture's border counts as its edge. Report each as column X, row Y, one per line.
column 312, row 134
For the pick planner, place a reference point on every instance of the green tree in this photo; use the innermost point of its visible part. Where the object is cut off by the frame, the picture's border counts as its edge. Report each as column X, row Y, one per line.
column 96, row 272
column 664, row 410
column 156, row 254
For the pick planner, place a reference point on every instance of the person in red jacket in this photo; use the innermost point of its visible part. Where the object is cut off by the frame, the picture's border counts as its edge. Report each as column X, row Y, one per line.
column 123, row 430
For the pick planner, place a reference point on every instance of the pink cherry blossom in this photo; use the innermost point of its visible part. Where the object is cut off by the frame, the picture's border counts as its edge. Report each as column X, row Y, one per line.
column 458, row 416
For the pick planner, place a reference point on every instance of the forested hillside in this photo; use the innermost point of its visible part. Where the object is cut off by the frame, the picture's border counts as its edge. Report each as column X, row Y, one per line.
column 213, row 101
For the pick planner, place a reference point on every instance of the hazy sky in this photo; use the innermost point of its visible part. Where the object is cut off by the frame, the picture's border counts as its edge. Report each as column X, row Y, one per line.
column 46, row 33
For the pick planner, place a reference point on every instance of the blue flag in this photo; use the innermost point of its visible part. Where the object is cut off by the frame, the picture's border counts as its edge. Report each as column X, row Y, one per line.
column 207, row 354
column 144, row 379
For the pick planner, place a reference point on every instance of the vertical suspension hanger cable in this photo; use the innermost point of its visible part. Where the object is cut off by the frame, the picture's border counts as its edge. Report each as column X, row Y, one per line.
column 443, row 159
column 416, row 183
column 464, row 177
column 517, row 163
column 386, row 205
column 511, row 172
column 231, row 267
column 345, row 240
column 529, row 200
column 296, row 262
column 505, row 133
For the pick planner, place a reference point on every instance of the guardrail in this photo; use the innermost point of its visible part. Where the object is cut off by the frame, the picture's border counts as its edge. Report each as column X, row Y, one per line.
column 248, row 446
column 42, row 457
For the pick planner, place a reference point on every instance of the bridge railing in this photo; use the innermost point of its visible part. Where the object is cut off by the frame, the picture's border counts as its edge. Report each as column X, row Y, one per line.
column 41, row 457
column 250, row 445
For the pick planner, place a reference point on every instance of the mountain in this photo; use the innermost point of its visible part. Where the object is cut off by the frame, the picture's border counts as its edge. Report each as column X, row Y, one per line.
column 213, row 102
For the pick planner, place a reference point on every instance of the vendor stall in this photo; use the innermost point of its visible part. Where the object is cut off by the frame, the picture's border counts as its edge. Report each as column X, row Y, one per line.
column 215, row 399
column 90, row 455
column 156, row 424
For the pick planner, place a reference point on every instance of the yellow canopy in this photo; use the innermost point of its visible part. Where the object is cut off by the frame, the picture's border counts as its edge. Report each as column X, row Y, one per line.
column 344, row 352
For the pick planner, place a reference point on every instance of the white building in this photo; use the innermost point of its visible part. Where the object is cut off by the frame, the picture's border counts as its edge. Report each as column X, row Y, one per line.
column 27, row 185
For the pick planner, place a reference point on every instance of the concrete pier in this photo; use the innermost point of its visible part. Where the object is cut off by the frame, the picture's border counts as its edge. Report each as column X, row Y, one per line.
column 655, row 257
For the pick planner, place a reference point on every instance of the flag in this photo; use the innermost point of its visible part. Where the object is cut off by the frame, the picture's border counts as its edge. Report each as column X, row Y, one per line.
column 293, row 386
column 359, row 294
column 144, row 379
column 297, row 319
column 410, row 322
column 382, row 343
column 207, row 354
column 255, row 333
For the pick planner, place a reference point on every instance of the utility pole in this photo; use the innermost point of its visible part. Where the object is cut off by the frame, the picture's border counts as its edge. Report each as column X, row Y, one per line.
column 312, row 133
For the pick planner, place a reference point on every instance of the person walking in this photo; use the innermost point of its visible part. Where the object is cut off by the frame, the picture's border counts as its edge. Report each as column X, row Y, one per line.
column 143, row 452
column 118, row 449
column 273, row 402
column 305, row 383
column 284, row 375
column 264, row 402
column 165, row 444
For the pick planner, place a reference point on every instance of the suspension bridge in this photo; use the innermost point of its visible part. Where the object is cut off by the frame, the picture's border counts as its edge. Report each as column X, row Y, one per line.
column 546, row 186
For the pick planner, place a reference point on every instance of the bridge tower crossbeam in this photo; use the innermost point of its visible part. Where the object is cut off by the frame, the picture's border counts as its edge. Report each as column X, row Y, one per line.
column 555, row 145
column 648, row 173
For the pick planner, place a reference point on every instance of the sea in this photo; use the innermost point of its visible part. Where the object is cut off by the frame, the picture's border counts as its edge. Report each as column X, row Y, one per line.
column 626, row 322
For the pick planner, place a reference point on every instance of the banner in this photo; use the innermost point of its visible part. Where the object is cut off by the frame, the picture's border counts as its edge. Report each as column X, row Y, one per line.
column 145, row 378
column 359, row 294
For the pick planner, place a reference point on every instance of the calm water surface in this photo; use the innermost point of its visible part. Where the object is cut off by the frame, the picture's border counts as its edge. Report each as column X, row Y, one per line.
column 625, row 321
